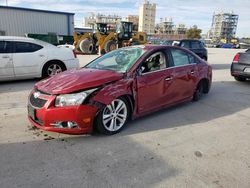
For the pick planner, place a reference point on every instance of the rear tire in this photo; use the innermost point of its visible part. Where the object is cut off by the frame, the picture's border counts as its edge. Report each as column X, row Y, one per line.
column 240, row 79
column 113, row 117
column 52, row 68
column 198, row 92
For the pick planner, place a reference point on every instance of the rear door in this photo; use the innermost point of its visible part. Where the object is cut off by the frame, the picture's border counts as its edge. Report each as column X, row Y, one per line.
column 6, row 61
column 185, row 74
column 27, row 59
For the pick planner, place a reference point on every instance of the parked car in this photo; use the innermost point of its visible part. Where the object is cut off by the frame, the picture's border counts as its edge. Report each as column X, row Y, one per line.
column 122, row 84
column 240, row 68
column 196, row 46
column 170, row 43
column 167, row 42
column 22, row 58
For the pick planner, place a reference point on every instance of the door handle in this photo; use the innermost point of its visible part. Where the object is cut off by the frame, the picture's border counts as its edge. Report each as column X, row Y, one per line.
column 5, row 56
column 192, row 72
column 41, row 55
column 169, row 78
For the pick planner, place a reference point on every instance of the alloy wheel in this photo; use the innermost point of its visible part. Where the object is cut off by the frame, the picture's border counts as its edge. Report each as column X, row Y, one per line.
column 54, row 69
column 115, row 115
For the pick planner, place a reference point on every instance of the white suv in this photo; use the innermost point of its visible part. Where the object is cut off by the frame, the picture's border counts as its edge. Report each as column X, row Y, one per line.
column 22, row 58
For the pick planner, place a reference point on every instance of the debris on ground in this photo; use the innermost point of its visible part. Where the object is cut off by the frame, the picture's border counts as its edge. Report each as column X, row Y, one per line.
column 198, row 154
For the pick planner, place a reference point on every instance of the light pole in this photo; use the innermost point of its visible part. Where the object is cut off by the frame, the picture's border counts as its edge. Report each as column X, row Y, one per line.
column 6, row 2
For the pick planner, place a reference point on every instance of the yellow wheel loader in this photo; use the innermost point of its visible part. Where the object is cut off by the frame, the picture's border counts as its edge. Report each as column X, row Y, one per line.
column 106, row 40
column 126, row 37
column 84, row 43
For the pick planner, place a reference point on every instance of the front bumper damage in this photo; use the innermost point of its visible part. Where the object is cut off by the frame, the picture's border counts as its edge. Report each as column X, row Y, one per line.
column 43, row 114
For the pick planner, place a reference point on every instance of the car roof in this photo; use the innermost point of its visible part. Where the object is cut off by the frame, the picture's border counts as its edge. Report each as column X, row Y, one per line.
column 16, row 38
column 25, row 39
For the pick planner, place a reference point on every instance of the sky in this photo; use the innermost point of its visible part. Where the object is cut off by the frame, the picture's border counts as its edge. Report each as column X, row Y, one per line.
column 189, row 12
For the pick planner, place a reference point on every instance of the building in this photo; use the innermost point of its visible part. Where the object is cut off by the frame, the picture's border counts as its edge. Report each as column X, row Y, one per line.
column 167, row 30
column 83, row 30
column 166, row 26
column 224, row 26
column 181, row 29
column 147, row 17
column 17, row 21
column 111, row 20
column 135, row 20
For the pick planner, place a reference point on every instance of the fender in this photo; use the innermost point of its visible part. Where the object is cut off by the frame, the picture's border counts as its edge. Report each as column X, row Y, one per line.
column 112, row 91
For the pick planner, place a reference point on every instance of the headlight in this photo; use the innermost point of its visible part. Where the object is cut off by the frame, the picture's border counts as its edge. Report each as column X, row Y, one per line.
column 72, row 99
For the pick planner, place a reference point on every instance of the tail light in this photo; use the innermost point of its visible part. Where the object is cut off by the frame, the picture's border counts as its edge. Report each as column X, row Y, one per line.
column 236, row 58
column 74, row 52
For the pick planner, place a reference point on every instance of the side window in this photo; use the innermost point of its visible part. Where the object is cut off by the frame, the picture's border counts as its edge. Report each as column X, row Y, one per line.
column 185, row 44
column 156, row 61
column 5, row 47
column 26, row 47
column 195, row 45
column 179, row 57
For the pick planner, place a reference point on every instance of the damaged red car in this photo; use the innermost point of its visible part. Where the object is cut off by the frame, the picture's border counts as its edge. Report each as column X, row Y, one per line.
column 121, row 85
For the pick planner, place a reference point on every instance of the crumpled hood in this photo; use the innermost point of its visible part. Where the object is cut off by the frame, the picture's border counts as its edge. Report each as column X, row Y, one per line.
column 75, row 80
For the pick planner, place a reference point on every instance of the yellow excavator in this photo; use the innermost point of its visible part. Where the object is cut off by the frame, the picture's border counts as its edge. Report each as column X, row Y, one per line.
column 107, row 40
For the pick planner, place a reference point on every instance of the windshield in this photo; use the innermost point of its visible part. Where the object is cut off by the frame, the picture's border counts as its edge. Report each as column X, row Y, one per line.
column 119, row 60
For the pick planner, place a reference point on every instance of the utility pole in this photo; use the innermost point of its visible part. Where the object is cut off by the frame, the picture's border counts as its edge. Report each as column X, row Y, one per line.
column 6, row 2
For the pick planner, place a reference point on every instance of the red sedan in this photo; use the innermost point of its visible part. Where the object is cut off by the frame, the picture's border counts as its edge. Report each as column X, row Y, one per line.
column 123, row 84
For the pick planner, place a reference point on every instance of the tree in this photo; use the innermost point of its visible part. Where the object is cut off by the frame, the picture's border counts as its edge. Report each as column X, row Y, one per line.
column 194, row 33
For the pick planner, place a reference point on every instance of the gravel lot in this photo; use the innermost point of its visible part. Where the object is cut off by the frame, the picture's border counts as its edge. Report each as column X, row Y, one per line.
column 202, row 144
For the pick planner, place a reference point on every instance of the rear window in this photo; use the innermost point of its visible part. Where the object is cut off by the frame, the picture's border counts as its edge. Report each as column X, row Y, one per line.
column 26, row 47
column 185, row 44
column 196, row 45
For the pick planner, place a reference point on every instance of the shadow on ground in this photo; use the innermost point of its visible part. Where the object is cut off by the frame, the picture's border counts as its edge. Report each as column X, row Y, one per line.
column 86, row 161
column 16, row 86
column 118, row 160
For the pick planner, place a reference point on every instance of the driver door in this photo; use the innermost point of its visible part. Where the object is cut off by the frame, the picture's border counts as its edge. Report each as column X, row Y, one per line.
column 152, row 82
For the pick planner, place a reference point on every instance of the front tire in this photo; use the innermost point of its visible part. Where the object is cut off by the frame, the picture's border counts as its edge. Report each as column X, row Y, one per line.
column 110, row 46
column 112, row 118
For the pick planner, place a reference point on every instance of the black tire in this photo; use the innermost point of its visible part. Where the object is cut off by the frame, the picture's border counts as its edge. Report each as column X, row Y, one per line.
column 204, row 58
column 240, row 79
column 100, row 125
column 110, row 45
column 198, row 92
column 87, row 46
column 46, row 69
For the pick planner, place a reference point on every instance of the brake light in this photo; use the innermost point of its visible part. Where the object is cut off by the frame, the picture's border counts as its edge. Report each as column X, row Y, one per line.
column 74, row 52
column 236, row 58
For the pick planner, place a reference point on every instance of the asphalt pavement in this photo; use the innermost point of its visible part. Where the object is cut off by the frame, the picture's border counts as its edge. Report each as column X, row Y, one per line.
column 193, row 145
